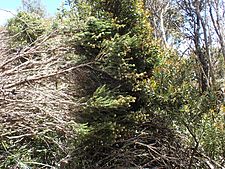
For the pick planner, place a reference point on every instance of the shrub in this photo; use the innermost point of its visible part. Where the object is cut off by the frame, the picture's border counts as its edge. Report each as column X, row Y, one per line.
column 117, row 40
column 25, row 28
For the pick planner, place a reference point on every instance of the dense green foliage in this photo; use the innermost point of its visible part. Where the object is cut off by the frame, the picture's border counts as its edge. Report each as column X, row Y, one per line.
column 140, row 104
column 117, row 38
column 197, row 116
column 26, row 28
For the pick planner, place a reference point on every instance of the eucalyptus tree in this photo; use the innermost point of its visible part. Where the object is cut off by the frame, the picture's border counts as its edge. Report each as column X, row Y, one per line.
column 204, row 30
column 166, row 20
column 33, row 6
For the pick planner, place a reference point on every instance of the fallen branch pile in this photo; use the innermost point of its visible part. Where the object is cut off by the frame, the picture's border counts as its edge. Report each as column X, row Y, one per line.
column 35, row 102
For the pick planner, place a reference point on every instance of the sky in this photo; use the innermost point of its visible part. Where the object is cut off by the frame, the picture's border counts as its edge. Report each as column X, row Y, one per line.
column 9, row 7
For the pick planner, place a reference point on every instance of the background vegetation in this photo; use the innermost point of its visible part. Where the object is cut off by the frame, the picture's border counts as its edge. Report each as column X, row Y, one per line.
column 113, row 84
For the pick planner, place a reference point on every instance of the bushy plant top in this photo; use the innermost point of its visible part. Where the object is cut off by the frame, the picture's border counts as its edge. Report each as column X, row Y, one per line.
column 25, row 28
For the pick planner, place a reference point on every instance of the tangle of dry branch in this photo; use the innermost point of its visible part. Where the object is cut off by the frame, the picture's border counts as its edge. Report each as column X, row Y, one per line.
column 34, row 95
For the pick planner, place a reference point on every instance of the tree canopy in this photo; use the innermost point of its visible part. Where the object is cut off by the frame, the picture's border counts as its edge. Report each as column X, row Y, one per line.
column 107, row 84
